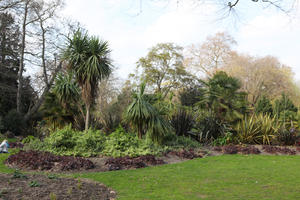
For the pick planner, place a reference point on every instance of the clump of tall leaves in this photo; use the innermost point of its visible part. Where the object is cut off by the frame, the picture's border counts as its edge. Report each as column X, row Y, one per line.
column 182, row 121
column 145, row 118
column 62, row 105
column 257, row 129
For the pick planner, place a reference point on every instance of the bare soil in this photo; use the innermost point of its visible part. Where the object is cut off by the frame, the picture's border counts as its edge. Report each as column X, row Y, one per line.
column 41, row 187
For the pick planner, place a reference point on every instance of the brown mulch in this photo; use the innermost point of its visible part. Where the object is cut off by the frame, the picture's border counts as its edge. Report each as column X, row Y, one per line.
column 36, row 160
column 46, row 188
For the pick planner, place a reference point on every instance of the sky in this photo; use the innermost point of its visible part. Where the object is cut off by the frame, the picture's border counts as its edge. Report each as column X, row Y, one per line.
column 132, row 27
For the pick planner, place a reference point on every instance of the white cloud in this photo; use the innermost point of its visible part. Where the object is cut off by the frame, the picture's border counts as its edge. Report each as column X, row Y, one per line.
column 272, row 34
column 132, row 33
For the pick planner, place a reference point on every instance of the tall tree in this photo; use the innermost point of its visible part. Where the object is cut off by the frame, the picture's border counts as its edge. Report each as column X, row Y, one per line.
column 9, row 61
column 37, row 20
column 89, row 58
column 211, row 55
column 47, row 36
column 261, row 76
column 162, row 69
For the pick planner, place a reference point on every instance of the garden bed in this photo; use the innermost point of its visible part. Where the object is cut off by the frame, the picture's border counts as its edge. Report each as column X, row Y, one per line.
column 42, row 187
column 36, row 160
column 45, row 161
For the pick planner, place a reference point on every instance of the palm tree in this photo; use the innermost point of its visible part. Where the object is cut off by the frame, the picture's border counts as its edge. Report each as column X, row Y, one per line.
column 88, row 58
column 145, row 117
column 221, row 96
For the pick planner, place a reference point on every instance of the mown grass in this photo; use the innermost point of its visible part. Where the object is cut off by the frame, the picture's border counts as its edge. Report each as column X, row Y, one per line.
column 4, row 168
column 220, row 177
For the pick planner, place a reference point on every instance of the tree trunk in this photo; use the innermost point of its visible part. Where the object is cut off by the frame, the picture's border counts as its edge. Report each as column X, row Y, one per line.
column 43, row 52
column 140, row 132
column 87, row 118
column 21, row 66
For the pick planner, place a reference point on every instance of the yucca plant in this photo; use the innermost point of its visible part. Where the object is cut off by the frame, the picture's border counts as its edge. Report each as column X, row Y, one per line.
column 268, row 127
column 248, row 130
column 258, row 129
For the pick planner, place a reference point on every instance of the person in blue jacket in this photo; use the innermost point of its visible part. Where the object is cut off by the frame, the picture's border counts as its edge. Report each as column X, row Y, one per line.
column 4, row 146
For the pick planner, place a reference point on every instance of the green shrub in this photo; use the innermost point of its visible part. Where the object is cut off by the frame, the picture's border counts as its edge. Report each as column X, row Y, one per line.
column 223, row 140
column 63, row 138
column 69, row 142
column 28, row 139
column 89, row 143
column 180, row 142
column 287, row 136
column 120, row 143
column 210, row 128
column 36, row 144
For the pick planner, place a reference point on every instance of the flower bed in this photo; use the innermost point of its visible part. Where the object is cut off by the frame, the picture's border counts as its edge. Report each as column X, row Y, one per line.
column 36, row 160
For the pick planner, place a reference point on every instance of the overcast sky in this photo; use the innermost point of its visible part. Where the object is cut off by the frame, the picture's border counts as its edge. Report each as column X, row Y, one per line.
column 132, row 28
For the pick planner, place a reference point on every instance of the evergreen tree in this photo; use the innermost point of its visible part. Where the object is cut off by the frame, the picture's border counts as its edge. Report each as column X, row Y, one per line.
column 9, row 58
column 285, row 108
column 264, row 106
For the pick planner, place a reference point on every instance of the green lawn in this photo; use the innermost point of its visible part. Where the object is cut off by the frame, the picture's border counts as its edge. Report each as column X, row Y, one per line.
column 221, row 177
column 3, row 168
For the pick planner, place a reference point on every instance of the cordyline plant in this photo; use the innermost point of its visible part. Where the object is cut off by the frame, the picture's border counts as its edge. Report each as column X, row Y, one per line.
column 88, row 58
column 145, row 118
